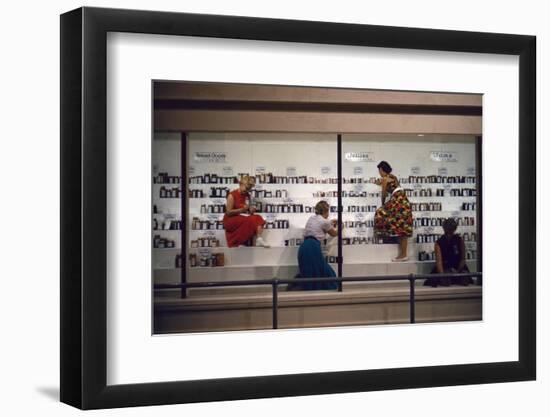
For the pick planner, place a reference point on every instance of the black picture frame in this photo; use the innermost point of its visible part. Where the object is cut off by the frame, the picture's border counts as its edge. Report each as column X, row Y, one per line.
column 84, row 209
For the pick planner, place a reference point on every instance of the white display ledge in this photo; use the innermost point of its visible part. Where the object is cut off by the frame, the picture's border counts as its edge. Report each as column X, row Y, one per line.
column 289, row 271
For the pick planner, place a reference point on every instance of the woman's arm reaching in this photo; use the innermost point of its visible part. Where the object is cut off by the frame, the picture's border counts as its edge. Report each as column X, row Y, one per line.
column 230, row 211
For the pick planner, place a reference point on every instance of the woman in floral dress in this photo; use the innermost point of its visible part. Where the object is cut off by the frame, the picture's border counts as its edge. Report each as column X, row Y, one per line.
column 394, row 218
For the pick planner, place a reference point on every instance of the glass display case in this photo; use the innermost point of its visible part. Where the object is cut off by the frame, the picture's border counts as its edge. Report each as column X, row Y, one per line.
column 438, row 175
column 292, row 172
column 167, row 198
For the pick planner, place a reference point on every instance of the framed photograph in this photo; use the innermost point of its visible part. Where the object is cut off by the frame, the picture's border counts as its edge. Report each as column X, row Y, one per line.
column 258, row 208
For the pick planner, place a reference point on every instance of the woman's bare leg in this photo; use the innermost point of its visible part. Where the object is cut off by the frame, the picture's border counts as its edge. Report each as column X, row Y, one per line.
column 403, row 245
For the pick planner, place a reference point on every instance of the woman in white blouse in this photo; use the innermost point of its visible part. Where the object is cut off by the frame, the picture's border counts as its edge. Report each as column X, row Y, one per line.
column 311, row 261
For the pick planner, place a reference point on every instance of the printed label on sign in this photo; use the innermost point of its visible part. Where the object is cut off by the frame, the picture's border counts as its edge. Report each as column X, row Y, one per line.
column 270, row 216
column 442, row 171
column 191, row 170
column 227, row 171
column 455, row 213
column 470, row 171
column 210, row 157
column 359, row 216
column 213, row 217
column 359, row 156
column 358, row 171
column 205, row 252
column 429, row 229
column 209, row 233
column 361, row 231
column 444, row 156
column 358, row 188
column 325, row 170
column 218, row 201
column 417, row 186
column 415, row 170
column 260, row 170
column 291, row 171
column 447, row 187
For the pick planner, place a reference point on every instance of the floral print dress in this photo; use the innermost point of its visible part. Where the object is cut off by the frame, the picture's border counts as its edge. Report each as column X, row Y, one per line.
column 394, row 218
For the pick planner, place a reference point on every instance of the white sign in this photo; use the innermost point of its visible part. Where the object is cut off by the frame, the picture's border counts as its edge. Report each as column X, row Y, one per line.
column 442, row 171
column 358, row 171
column 471, row 171
column 359, row 156
column 211, row 157
column 325, row 170
column 444, row 156
column 415, row 170
column 191, row 170
column 227, row 170
column 291, row 172
column 260, row 170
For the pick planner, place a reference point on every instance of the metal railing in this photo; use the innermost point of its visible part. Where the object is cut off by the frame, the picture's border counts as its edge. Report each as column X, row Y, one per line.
column 275, row 282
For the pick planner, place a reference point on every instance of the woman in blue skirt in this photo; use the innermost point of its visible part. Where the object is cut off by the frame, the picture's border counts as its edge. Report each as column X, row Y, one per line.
column 311, row 261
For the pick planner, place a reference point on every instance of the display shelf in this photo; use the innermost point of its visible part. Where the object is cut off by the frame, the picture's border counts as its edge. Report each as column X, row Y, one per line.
column 297, row 246
column 267, row 198
column 446, row 197
column 323, row 169
column 333, row 265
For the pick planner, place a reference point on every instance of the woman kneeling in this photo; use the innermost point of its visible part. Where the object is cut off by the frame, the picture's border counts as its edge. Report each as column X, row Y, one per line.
column 311, row 261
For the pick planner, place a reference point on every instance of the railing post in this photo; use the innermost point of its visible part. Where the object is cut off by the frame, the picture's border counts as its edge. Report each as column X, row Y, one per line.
column 411, row 298
column 275, row 303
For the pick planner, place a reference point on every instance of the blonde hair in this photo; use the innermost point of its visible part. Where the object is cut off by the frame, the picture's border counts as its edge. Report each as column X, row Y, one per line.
column 321, row 207
column 247, row 179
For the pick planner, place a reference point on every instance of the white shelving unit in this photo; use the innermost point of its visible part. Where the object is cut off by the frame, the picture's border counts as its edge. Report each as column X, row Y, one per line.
column 313, row 156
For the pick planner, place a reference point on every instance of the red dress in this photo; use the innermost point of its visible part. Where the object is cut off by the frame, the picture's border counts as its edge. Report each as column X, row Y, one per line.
column 239, row 229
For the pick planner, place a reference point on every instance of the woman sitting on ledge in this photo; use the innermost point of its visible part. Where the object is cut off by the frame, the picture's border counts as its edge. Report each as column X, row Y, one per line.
column 311, row 261
column 239, row 221
column 449, row 257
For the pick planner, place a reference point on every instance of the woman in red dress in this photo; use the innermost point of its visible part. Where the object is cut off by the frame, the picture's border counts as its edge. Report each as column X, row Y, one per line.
column 239, row 221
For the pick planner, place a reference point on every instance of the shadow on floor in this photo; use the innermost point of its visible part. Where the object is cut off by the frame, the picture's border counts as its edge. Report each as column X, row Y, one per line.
column 50, row 392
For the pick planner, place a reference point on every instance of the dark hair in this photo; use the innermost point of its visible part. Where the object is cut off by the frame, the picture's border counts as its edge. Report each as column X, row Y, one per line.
column 449, row 225
column 385, row 166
